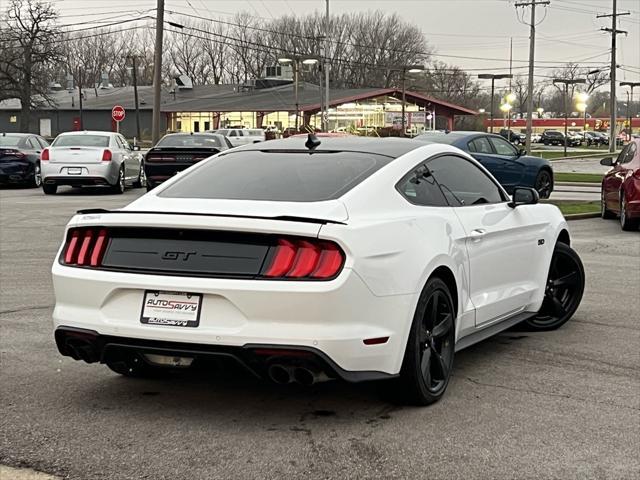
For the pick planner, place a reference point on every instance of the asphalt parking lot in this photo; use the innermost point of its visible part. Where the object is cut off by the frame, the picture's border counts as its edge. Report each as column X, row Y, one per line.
column 562, row 404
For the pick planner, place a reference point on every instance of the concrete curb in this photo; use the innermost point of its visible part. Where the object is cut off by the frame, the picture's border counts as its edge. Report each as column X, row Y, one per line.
column 582, row 216
column 578, row 184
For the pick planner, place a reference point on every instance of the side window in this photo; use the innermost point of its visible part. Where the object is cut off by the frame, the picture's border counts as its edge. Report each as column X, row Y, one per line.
column 503, row 147
column 233, row 133
column 462, row 182
column 623, row 154
column 472, row 147
column 481, row 145
column 420, row 188
column 43, row 142
column 32, row 144
column 628, row 153
column 124, row 142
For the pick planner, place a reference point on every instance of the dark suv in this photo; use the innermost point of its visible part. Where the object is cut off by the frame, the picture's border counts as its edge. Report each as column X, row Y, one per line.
column 552, row 137
column 513, row 137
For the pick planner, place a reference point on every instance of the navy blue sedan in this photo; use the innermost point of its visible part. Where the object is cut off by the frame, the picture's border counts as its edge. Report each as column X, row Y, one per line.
column 507, row 163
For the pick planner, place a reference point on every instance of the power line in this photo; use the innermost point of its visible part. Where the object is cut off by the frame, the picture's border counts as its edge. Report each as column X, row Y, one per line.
column 532, row 42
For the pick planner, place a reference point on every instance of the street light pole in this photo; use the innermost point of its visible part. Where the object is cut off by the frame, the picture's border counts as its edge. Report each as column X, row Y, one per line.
column 566, row 82
column 80, row 98
column 404, row 101
column 631, row 86
column 325, row 119
column 296, row 61
column 493, row 78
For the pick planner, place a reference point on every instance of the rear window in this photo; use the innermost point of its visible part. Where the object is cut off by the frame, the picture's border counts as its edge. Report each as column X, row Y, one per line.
column 192, row 141
column 81, row 141
column 277, row 176
column 10, row 141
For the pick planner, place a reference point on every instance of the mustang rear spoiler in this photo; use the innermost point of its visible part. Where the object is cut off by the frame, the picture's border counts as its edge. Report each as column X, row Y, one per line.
column 285, row 218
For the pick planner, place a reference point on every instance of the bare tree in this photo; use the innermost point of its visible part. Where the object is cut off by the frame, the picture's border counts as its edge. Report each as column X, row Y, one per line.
column 28, row 35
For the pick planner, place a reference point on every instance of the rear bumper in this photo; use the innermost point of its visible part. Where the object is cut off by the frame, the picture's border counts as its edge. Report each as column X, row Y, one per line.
column 90, row 346
column 332, row 318
column 15, row 172
column 105, row 173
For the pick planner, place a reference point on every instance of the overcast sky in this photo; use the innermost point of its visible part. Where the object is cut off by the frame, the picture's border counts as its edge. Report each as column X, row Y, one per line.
column 457, row 29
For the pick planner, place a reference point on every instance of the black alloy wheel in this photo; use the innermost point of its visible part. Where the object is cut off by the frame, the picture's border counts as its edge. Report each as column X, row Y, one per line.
column 543, row 184
column 49, row 188
column 627, row 224
column 604, row 212
column 563, row 290
column 428, row 359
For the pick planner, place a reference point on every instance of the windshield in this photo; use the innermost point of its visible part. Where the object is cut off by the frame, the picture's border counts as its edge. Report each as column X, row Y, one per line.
column 277, row 176
column 191, row 141
column 101, row 141
column 10, row 141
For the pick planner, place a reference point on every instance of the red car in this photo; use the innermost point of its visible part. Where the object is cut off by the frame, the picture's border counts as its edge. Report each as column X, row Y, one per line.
column 621, row 186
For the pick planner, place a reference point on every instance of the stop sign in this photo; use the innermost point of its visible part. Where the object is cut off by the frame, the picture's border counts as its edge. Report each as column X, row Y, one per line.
column 118, row 113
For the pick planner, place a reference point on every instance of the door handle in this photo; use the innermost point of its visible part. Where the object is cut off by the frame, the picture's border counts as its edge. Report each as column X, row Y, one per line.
column 477, row 234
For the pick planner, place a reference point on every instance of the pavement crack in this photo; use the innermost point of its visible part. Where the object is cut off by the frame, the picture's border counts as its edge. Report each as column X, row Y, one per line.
column 550, row 394
column 606, row 325
column 25, row 309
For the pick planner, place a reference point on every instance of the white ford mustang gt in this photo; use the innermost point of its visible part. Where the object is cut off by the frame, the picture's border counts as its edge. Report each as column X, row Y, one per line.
column 351, row 258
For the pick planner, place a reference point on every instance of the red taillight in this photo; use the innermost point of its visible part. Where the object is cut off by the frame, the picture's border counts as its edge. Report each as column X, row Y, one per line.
column 160, row 158
column 282, row 260
column 44, row 156
column 305, row 259
column 71, row 250
column 98, row 248
column 106, row 155
column 84, row 247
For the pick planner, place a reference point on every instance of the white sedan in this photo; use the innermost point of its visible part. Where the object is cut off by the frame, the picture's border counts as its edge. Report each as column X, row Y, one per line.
column 350, row 258
column 91, row 158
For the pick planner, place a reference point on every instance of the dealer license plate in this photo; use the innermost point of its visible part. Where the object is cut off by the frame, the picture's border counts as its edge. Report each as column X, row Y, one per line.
column 177, row 309
column 74, row 171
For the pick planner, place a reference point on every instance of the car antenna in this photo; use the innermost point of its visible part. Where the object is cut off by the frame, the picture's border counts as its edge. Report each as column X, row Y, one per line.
column 312, row 142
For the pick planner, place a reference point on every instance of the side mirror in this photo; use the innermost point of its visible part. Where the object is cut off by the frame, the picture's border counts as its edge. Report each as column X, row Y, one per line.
column 607, row 161
column 524, row 196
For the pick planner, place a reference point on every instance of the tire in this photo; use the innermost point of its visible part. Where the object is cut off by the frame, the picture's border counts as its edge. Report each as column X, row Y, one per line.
column 563, row 290
column 545, row 142
column 428, row 358
column 150, row 186
column 141, row 181
column 604, row 213
column 119, row 186
column 131, row 364
column 543, row 183
column 627, row 224
column 49, row 188
column 36, row 182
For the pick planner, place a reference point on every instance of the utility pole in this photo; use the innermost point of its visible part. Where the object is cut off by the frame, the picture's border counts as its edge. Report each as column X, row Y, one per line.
column 325, row 117
column 566, row 83
column 631, row 86
column 493, row 78
column 134, row 74
column 157, row 72
column 613, row 100
column 80, row 98
column 532, row 45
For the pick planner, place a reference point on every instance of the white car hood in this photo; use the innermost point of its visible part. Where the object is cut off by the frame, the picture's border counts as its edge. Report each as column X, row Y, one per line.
column 330, row 210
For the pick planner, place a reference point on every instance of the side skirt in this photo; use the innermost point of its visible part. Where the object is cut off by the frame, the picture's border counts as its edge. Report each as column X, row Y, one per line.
column 492, row 330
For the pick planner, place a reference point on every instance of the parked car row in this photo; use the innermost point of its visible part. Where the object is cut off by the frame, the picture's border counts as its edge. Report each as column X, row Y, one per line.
column 556, row 137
